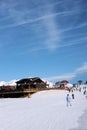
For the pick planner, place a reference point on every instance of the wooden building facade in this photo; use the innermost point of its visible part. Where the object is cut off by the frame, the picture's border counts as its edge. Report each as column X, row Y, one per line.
column 29, row 83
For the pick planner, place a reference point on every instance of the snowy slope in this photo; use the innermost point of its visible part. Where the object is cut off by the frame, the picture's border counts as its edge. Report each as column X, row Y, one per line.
column 45, row 110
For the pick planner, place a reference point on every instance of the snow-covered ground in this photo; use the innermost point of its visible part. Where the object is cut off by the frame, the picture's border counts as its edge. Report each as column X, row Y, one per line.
column 45, row 110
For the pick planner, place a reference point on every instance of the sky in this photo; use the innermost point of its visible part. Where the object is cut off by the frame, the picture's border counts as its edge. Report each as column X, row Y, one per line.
column 43, row 38
column 45, row 110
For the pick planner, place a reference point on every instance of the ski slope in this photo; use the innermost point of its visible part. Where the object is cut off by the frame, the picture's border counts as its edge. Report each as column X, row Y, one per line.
column 45, row 110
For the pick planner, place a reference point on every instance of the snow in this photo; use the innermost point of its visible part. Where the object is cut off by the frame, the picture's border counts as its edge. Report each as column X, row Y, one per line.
column 45, row 110
column 69, row 85
column 3, row 83
column 51, row 84
column 12, row 82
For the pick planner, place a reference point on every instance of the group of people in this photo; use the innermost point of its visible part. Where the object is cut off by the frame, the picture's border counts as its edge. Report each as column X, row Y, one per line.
column 70, row 95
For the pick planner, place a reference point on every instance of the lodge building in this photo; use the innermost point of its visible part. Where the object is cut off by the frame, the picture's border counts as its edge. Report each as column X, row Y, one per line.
column 23, row 87
column 30, row 83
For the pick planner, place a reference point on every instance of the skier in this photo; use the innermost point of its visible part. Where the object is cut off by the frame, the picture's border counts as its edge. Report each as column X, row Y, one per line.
column 68, row 99
column 72, row 95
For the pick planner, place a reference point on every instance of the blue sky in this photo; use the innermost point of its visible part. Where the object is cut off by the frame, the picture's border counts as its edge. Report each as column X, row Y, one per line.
column 43, row 38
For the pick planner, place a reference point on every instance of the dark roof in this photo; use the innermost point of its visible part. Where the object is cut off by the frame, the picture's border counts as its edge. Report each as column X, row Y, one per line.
column 30, row 80
column 64, row 81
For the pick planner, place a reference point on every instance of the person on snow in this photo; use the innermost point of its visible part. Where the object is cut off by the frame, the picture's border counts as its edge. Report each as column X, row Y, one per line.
column 68, row 100
column 72, row 95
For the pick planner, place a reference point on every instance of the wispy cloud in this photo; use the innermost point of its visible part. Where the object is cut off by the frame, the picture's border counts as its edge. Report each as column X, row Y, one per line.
column 58, row 46
column 46, row 16
column 52, row 33
column 21, row 17
column 82, row 69
column 61, row 77
column 69, row 76
column 81, row 25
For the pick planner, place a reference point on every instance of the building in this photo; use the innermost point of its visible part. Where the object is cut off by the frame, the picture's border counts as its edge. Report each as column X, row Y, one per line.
column 29, row 83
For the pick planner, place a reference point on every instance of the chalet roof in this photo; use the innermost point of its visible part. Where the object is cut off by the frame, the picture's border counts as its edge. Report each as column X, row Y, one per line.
column 64, row 81
column 29, row 80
